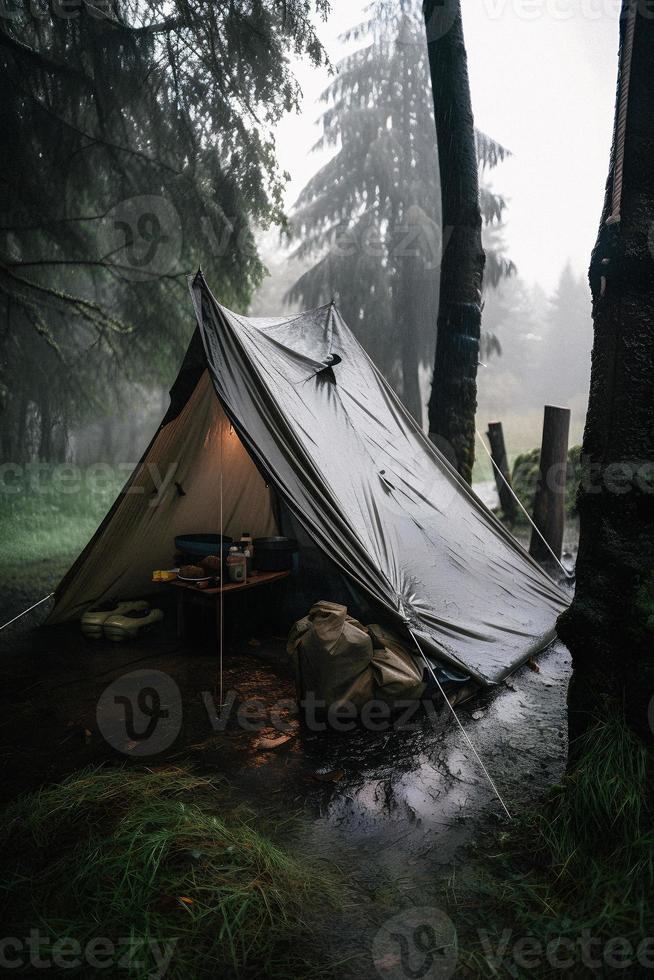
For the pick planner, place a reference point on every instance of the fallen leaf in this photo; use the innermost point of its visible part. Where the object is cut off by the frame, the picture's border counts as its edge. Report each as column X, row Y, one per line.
column 328, row 775
column 387, row 962
column 533, row 666
column 477, row 715
column 186, row 900
column 254, row 642
column 266, row 744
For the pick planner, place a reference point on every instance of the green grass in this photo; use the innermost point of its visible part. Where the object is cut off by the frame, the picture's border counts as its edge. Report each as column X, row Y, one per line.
column 155, row 856
column 584, row 861
column 52, row 511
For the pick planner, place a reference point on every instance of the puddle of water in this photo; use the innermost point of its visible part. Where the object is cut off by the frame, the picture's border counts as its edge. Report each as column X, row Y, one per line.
column 405, row 803
column 407, row 798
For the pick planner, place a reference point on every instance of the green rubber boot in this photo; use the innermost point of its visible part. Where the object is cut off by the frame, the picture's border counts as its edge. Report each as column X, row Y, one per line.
column 129, row 625
column 94, row 619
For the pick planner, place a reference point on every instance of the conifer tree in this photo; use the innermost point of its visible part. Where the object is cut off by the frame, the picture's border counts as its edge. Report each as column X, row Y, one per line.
column 136, row 143
column 371, row 216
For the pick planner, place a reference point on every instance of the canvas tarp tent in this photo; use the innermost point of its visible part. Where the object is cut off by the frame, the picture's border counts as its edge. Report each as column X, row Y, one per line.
column 294, row 405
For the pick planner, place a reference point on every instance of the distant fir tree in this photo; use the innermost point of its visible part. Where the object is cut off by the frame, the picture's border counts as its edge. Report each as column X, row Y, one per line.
column 371, row 215
column 568, row 340
column 136, row 143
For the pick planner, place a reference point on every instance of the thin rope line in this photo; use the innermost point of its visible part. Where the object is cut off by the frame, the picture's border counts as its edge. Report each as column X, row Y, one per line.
column 222, row 560
column 25, row 611
column 621, row 123
column 565, row 571
column 456, row 718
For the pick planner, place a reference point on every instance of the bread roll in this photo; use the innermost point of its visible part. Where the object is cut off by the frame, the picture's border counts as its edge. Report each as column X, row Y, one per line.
column 211, row 563
column 192, row 571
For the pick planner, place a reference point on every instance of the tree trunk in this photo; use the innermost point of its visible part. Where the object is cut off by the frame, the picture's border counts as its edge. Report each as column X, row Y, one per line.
column 22, row 447
column 409, row 265
column 609, row 626
column 60, row 440
column 45, row 434
column 454, row 389
column 411, row 377
column 9, row 454
column 549, row 503
column 107, row 438
column 501, row 471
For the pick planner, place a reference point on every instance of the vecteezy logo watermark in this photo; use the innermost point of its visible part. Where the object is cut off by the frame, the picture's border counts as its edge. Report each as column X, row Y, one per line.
column 520, row 955
column 417, row 238
column 62, row 9
column 416, row 944
column 140, row 714
column 142, row 237
column 130, row 953
column 558, row 10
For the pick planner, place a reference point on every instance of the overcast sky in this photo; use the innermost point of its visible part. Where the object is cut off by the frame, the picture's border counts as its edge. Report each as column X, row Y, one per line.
column 543, row 76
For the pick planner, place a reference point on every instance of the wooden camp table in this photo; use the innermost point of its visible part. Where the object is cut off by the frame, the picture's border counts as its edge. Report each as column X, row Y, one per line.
column 190, row 594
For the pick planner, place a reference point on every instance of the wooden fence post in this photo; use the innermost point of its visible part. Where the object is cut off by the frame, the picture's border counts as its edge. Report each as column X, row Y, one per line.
column 498, row 452
column 549, row 504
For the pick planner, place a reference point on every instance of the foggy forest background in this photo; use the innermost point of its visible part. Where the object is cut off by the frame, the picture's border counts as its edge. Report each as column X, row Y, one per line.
column 91, row 347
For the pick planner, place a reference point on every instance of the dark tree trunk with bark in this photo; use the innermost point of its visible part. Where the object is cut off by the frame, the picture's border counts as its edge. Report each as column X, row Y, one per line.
column 609, row 627
column 45, row 437
column 454, row 389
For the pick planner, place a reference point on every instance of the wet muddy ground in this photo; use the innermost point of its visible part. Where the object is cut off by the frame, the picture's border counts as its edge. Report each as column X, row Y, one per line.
column 393, row 810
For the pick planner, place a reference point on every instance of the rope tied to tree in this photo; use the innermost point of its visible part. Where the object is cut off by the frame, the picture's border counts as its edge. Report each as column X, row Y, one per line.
column 626, row 57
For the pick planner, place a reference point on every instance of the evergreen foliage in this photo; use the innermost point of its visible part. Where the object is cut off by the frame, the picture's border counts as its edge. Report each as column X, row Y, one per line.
column 371, row 215
column 568, row 339
column 138, row 141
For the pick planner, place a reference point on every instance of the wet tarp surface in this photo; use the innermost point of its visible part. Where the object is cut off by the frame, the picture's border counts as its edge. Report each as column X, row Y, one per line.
column 372, row 491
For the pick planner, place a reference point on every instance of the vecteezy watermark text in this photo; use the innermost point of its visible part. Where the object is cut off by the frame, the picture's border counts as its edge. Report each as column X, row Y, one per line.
column 565, row 952
column 68, row 479
column 140, row 713
column 130, row 953
column 421, row 942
